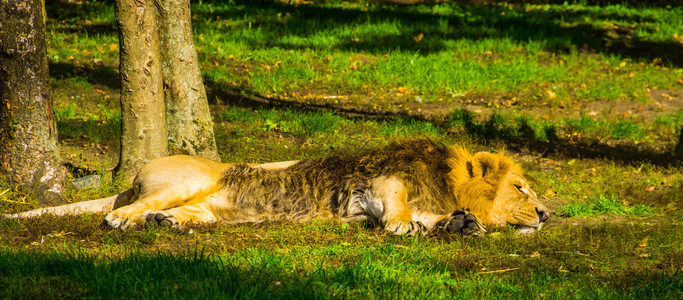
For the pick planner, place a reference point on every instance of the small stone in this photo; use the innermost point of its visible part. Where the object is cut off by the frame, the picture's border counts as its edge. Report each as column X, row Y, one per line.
column 87, row 182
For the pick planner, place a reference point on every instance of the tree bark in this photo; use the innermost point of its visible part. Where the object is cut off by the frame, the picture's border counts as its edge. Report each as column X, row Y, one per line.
column 29, row 155
column 188, row 118
column 678, row 152
column 143, row 134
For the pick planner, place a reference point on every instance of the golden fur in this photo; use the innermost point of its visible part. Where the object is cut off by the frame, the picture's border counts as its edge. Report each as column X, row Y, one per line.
column 408, row 187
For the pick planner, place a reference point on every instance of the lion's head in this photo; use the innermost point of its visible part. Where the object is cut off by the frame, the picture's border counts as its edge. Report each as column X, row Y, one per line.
column 493, row 188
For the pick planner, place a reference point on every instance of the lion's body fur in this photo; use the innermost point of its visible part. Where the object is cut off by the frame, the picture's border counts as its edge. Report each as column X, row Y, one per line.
column 332, row 185
column 408, row 187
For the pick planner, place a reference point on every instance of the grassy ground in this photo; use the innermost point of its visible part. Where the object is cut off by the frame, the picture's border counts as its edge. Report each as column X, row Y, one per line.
column 589, row 99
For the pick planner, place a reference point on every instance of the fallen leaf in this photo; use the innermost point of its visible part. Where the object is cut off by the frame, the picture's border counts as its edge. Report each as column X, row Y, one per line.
column 551, row 94
column 549, row 193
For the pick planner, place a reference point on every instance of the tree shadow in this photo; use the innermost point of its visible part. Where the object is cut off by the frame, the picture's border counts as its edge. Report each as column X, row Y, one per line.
column 547, row 141
column 521, row 135
column 95, row 74
column 82, row 12
column 556, row 31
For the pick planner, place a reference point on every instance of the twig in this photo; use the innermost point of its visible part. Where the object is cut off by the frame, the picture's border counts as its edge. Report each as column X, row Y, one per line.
column 5, row 191
column 498, row 271
column 11, row 201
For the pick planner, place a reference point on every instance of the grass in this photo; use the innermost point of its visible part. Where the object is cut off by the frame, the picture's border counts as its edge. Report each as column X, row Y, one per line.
column 586, row 98
column 532, row 61
column 433, row 50
column 604, row 205
column 320, row 260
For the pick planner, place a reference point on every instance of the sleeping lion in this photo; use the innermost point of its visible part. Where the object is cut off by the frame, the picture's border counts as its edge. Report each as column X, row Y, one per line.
column 410, row 187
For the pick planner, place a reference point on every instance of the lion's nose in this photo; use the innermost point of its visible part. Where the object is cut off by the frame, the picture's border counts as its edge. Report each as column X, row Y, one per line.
column 542, row 215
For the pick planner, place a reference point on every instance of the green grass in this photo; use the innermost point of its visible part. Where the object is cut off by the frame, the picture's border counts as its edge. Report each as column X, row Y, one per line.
column 320, row 260
column 604, row 205
column 295, row 134
column 512, row 57
column 334, row 48
column 104, row 126
column 508, row 49
column 580, row 95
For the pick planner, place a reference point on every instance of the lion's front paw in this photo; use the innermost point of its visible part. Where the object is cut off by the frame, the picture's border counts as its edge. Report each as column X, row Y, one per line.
column 118, row 221
column 161, row 218
column 406, row 228
column 465, row 223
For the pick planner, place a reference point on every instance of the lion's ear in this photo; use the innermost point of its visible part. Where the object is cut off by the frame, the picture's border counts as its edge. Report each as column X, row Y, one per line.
column 483, row 164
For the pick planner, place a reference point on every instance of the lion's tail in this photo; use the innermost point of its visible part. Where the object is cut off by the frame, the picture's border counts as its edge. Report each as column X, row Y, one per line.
column 92, row 206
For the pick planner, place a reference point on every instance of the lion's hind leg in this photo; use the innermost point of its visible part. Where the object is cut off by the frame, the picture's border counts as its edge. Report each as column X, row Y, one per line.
column 160, row 199
column 177, row 217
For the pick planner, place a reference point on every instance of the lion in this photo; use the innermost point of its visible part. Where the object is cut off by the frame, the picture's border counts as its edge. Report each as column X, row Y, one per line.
column 409, row 187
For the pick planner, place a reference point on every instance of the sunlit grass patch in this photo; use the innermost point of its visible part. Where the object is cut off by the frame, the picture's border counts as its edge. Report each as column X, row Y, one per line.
column 621, row 129
column 627, row 130
column 433, row 48
column 603, row 205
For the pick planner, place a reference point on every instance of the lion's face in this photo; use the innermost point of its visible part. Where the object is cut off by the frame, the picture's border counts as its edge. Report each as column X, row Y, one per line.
column 516, row 204
column 498, row 194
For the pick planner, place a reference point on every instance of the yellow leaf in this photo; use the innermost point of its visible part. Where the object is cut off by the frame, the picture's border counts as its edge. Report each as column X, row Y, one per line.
column 418, row 37
column 549, row 193
column 535, row 254
column 551, row 94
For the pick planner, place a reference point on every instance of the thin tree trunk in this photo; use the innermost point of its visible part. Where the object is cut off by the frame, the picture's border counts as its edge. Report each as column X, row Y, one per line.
column 29, row 155
column 678, row 152
column 190, row 128
column 143, row 134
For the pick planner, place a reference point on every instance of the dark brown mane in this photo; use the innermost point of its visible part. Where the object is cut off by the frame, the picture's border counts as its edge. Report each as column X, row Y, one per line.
column 329, row 184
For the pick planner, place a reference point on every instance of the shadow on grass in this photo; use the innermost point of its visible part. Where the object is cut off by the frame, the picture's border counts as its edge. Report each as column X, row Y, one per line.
column 193, row 275
column 468, row 22
column 95, row 74
column 544, row 141
column 83, row 12
column 267, row 275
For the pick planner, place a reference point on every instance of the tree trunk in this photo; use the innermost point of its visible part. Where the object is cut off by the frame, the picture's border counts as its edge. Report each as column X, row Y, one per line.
column 190, row 128
column 678, row 152
column 143, row 134
column 29, row 156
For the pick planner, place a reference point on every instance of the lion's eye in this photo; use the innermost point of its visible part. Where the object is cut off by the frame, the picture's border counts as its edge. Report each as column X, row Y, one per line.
column 519, row 188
